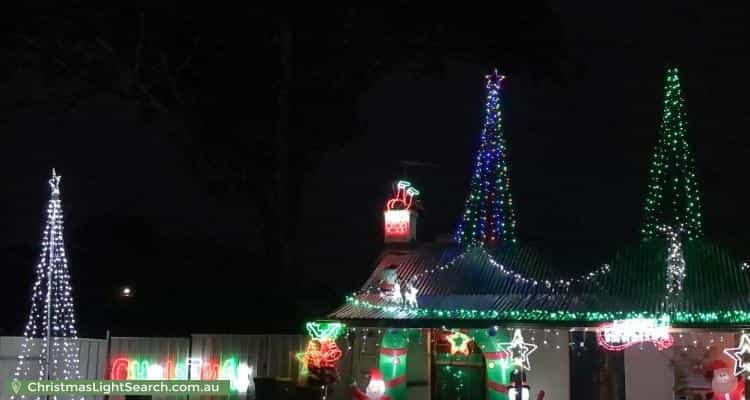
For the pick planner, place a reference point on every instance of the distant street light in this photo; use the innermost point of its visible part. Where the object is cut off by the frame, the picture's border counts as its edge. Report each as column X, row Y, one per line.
column 126, row 292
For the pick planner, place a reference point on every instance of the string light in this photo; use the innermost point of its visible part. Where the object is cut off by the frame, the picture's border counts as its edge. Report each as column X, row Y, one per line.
column 364, row 340
column 51, row 318
column 535, row 315
column 553, row 285
column 675, row 272
column 488, row 213
column 672, row 195
column 556, row 284
column 454, row 380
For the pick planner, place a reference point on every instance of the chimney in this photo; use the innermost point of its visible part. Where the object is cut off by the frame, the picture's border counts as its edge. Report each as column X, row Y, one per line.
column 399, row 216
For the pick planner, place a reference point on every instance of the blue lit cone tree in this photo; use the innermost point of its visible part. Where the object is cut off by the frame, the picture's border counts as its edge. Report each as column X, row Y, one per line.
column 488, row 216
column 672, row 197
column 50, row 346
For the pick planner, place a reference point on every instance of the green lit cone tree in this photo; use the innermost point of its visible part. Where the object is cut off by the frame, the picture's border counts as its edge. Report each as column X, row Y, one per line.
column 672, row 195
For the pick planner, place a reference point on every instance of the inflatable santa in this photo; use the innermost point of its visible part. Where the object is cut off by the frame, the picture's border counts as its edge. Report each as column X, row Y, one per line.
column 724, row 384
column 375, row 389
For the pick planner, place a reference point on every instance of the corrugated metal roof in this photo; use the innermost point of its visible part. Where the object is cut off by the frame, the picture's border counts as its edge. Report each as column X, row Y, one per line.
column 636, row 282
column 471, row 274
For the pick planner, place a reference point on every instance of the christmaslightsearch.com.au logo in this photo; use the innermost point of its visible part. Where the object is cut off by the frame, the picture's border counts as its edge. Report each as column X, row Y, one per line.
column 105, row 387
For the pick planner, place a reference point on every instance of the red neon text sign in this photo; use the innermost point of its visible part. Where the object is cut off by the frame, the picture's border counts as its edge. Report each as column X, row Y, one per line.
column 620, row 335
column 119, row 371
column 397, row 223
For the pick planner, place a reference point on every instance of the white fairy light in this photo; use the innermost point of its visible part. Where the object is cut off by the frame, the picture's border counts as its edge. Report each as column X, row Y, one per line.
column 51, row 319
column 557, row 284
column 675, row 272
column 517, row 276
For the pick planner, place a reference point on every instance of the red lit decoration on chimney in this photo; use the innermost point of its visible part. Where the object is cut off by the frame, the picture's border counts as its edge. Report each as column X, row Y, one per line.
column 400, row 219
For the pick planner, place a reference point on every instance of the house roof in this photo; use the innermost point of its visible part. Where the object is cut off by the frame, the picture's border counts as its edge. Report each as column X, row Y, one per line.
column 512, row 283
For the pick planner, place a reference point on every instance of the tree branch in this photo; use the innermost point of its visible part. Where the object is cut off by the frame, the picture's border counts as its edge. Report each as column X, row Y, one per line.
column 170, row 78
column 139, row 44
column 140, row 86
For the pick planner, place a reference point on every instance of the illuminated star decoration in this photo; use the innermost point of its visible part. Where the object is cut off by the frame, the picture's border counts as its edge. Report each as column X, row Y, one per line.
column 459, row 342
column 494, row 79
column 741, row 355
column 519, row 351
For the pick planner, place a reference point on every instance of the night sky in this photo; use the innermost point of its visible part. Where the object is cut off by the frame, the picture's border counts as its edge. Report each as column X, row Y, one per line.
column 231, row 165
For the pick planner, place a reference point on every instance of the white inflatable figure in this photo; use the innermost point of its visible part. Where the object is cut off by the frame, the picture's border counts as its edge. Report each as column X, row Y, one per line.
column 513, row 394
column 410, row 296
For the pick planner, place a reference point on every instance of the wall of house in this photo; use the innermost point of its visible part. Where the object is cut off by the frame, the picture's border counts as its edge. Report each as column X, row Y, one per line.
column 550, row 368
column 648, row 373
column 677, row 371
column 268, row 355
column 356, row 363
column 129, row 357
column 417, row 369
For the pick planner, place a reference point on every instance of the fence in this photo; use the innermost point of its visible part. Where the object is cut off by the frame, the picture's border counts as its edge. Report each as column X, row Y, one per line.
column 238, row 358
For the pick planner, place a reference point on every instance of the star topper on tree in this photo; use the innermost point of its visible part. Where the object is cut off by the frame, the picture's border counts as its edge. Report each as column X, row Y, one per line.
column 494, row 79
column 54, row 183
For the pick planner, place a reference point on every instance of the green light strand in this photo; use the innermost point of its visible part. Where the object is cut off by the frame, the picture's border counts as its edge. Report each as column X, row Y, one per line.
column 531, row 315
column 454, row 381
column 673, row 197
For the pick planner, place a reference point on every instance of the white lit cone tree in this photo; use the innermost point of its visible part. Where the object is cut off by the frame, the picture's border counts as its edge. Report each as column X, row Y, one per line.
column 50, row 347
